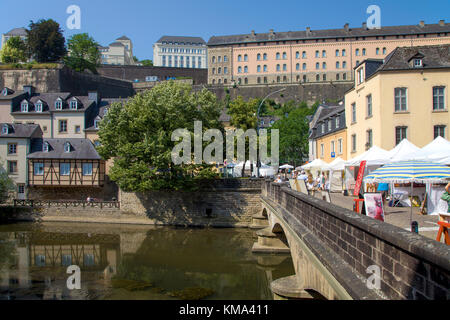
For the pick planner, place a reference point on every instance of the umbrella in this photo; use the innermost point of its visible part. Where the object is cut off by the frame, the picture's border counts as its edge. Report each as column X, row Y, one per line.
column 409, row 172
column 286, row 166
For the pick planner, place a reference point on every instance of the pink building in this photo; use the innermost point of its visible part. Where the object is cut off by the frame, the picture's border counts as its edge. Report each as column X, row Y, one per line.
column 310, row 55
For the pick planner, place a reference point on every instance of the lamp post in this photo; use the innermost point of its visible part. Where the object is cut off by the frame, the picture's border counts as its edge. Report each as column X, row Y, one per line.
column 258, row 164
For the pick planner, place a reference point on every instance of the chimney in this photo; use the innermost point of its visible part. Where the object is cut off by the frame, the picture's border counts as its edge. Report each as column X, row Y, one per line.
column 442, row 23
column 364, row 25
column 422, row 23
column 253, row 32
column 308, row 31
column 28, row 90
column 346, row 27
column 94, row 96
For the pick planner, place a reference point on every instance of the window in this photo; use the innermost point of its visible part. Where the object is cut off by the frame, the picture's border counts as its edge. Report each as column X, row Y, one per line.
column 304, row 78
column 73, row 105
column 87, row 169
column 265, row 79
column 363, row 51
column 258, row 68
column 337, row 65
column 239, row 58
column 384, row 50
column 88, row 259
column 322, row 151
column 264, row 56
column 258, row 56
column 245, row 80
column 12, row 166
column 353, row 142
column 438, row 98
column 284, row 56
column 64, row 169
column 332, row 146
column 329, row 125
column 357, row 52
column 39, row 260
column 278, row 67
column 353, row 112
column 38, row 168
column 297, row 66
column 24, row 106
column 258, row 80
column 38, row 107
column 45, row 147
column 417, row 63
column 245, row 69
column 344, row 76
column 12, row 148
column 360, row 74
column 284, row 79
column 343, row 52
column 338, row 121
column 324, row 77
column 324, row 54
column 67, row 147
column 245, row 57
column 265, row 68
column 340, row 151
column 377, row 51
column 304, row 54
column 219, row 70
column 297, row 55
column 277, row 56
column 369, row 139
column 284, row 67
column 213, row 59
column 344, row 64
column 369, row 105
column 439, row 131
column 337, row 53
column 225, row 70
column 66, row 259
column 400, row 134
column 214, row 70
column 239, row 69
column 21, row 188
column 337, row 76
column 400, row 99
column 225, row 58
column 62, row 126
column 324, row 65
column 317, row 77
column 5, row 129
column 317, row 66
column 317, row 53
column 58, row 104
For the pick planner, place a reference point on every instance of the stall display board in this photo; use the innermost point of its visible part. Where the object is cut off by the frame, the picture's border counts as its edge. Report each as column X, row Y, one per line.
column 435, row 204
column 362, row 167
column 374, row 205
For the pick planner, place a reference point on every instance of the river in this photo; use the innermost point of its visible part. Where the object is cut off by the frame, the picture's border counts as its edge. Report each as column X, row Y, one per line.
column 134, row 262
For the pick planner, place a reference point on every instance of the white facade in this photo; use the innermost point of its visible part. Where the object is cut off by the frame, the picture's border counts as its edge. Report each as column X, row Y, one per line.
column 119, row 52
column 180, row 52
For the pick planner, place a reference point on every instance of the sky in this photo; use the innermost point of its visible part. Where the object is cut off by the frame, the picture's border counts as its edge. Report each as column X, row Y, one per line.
column 145, row 21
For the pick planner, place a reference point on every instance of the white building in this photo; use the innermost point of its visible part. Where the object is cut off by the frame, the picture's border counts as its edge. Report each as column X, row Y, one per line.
column 180, row 52
column 16, row 32
column 119, row 52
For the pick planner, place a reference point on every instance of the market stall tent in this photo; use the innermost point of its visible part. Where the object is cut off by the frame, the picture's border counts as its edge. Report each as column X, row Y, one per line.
column 316, row 164
column 403, row 151
column 437, row 151
column 336, row 170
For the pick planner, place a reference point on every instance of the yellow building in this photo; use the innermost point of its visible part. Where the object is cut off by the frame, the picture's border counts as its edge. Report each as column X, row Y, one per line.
column 402, row 96
column 328, row 138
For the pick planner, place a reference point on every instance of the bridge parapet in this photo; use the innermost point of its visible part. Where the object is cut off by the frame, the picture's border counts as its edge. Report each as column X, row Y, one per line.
column 412, row 266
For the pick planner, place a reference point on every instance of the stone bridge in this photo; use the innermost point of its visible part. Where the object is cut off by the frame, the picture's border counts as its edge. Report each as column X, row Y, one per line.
column 332, row 249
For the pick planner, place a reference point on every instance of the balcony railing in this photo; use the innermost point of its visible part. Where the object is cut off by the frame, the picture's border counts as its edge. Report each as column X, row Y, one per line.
column 66, row 203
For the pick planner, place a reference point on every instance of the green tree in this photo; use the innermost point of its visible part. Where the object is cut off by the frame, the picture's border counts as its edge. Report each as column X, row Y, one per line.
column 14, row 51
column 243, row 116
column 137, row 135
column 6, row 184
column 84, row 53
column 45, row 41
column 294, row 132
column 147, row 63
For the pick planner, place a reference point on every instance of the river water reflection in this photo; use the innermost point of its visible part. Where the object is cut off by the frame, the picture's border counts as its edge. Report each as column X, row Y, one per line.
column 134, row 262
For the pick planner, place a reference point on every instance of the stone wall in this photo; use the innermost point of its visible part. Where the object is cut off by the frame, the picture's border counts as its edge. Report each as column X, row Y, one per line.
column 64, row 79
column 309, row 92
column 221, row 203
column 130, row 73
column 412, row 266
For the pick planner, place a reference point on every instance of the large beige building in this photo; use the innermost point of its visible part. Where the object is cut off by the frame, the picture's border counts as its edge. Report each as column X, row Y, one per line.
column 402, row 96
column 16, row 32
column 310, row 55
column 119, row 52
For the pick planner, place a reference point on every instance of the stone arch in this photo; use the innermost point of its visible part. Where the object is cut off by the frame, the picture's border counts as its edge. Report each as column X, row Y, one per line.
column 264, row 212
column 281, row 235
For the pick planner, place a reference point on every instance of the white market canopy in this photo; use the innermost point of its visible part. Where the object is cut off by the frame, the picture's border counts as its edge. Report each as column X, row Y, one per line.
column 338, row 164
column 315, row 164
column 286, row 166
column 403, row 151
column 437, row 151
column 375, row 156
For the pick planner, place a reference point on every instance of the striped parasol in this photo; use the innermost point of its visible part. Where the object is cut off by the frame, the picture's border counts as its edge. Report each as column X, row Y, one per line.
column 410, row 171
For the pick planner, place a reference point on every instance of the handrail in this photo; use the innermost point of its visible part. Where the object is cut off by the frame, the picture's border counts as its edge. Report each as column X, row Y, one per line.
column 65, row 203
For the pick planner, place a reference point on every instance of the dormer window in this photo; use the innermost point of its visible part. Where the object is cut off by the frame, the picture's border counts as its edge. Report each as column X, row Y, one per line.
column 38, row 106
column 58, row 104
column 45, row 147
column 360, row 74
column 24, row 106
column 5, row 129
column 418, row 63
column 73, row 105
column 67, row 147
column 97, row 124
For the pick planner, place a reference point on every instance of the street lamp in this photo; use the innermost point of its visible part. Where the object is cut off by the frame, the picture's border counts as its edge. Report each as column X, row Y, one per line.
column 258, row 164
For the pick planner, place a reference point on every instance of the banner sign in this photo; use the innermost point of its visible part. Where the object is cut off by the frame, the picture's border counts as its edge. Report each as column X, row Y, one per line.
column 362, row 168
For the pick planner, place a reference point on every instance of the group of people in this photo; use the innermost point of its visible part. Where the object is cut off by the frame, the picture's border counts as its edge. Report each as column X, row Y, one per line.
column 313, row 184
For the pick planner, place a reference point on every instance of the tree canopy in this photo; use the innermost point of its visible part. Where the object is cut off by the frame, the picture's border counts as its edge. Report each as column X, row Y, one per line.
column 6, row 184
column 147, row 62
column 45, row 41
column 137, row 135
column 14, row 51
column 84, row 53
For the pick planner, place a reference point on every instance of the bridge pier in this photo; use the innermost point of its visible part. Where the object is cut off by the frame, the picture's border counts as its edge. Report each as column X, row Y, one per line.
column 269, row 242
column 259, row 221
column 288, row 288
